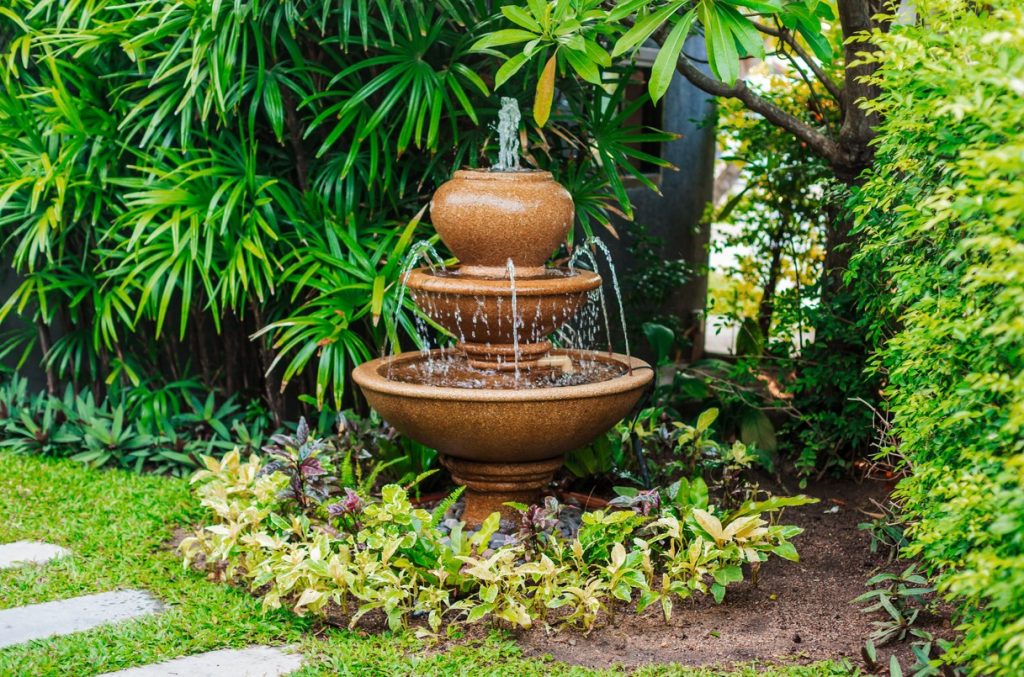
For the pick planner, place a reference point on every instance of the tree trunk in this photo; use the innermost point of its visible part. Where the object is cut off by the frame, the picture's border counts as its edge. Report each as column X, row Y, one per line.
column 766, row 308
column 271, row 392
column 855, row 153
column 43, row 330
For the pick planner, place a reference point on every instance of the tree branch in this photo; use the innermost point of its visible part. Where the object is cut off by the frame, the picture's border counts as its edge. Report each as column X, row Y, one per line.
column 857, row 19
column 815, row 102
column 821, row 144
column 782, row 34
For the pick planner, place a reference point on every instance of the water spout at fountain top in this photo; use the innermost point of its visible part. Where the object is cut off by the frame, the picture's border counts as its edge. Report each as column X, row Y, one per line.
column 508, row 136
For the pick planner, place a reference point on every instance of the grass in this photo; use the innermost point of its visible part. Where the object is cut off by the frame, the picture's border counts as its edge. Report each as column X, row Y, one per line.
column 117, row 524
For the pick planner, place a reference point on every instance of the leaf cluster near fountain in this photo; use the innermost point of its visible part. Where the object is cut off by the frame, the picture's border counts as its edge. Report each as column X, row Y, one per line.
column 342, row 553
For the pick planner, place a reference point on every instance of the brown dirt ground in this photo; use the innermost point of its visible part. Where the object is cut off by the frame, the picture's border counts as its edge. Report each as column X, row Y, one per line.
column 798, row 612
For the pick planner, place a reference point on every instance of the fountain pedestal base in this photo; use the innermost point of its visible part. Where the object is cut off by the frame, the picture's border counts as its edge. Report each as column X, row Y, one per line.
column 490, row 485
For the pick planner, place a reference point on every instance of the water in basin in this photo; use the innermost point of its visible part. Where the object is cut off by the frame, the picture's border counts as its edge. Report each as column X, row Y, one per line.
column 451, row 370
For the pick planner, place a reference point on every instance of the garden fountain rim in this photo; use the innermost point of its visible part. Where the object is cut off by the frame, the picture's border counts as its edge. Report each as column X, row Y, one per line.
column 369, row 375
column 492, row 174
column 423, row 279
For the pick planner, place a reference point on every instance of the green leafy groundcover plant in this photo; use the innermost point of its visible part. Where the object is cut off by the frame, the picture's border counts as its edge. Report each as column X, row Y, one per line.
column 943, row 219
column 168, row 431
column 352, row 554
column 120, row 541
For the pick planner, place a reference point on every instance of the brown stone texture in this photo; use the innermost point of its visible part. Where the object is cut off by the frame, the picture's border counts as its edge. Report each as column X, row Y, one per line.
column 503, row 444
column 498, row 429
column 479, row 311
column 487, row 217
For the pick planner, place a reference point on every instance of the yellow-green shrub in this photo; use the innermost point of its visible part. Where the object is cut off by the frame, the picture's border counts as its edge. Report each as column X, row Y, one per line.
column 388, row 556
column 943, row 217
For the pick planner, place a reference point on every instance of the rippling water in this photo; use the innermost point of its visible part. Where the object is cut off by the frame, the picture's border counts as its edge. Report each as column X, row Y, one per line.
column 452, row 370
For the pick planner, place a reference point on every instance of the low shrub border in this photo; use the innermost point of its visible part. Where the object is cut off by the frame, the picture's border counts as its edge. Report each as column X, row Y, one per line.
column 279, row 531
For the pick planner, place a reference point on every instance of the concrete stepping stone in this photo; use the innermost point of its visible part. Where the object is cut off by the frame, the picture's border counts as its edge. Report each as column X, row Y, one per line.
column 255, row 661
column 21, row 553
column 38, row 621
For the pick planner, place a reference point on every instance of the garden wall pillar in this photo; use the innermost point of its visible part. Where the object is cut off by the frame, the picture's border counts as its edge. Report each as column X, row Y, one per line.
column 675, row 216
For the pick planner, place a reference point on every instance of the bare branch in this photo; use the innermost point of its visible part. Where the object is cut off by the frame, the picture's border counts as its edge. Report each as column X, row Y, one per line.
column 782, row 34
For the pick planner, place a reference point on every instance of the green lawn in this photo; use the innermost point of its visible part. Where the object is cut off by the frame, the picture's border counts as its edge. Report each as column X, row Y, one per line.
column 116, row 524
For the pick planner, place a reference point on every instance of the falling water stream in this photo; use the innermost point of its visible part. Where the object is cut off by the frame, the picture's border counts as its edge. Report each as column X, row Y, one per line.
column 584, row 252
column 615, row 287
column 511, row 267
column 419, row 250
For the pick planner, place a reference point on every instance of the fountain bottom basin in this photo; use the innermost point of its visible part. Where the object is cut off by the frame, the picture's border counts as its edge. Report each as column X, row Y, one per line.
column 503, row 442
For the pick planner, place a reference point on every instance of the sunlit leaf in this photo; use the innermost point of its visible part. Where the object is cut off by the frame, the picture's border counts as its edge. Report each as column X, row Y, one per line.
column 545, row 93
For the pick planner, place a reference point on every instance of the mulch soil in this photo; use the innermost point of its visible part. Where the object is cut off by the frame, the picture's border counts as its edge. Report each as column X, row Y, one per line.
column 798, row 612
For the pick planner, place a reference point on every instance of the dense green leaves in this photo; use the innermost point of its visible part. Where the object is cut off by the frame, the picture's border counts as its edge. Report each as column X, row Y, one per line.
column 178, row 176
column 730, row 27
column 943, row 215
column 665, row 63
column 296, row 538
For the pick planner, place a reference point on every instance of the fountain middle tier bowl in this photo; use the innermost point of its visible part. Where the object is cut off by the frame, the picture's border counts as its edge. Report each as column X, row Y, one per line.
column 504, row 444
column 478, row 310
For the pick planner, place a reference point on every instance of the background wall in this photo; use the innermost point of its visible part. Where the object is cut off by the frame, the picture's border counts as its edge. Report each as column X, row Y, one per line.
column 675, row 216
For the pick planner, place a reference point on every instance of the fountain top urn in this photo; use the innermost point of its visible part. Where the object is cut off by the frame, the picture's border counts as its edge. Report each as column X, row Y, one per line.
column 489, row 217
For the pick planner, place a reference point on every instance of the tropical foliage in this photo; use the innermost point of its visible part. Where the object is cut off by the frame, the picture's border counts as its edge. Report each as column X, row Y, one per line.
column 567, row 35
column 343, row 552
column 943, row 217
column 810, row 42
column 773, row 218
column 170, row 430
column 175, row 177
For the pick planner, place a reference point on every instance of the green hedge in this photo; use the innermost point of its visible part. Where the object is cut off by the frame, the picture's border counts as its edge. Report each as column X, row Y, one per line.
column 942, row 215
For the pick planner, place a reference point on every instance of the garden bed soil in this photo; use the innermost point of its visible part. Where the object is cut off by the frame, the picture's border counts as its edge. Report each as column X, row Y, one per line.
column 799, row 612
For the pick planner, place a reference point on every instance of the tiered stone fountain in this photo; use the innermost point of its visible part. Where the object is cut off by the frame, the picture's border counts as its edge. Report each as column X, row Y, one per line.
column 503, row 406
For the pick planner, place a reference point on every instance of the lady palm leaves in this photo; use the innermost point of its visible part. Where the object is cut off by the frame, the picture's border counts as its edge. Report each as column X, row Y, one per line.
column 426, row 91
column 346, row 279
column 176, row 167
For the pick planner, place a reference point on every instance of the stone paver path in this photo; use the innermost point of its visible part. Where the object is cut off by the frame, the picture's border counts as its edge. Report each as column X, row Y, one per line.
column 21, row 553
column 38, row 621
column 66, row 616
column 256, row 661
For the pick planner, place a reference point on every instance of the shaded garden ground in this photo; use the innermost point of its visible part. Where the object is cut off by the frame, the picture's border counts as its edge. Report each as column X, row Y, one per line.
column 117, row 526
column 799, row 612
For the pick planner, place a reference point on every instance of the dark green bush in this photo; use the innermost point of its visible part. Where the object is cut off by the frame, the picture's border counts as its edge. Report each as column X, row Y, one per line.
column 943, row 219
column 178, row 177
